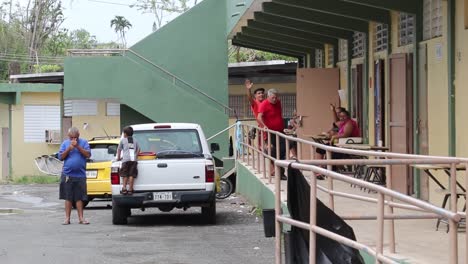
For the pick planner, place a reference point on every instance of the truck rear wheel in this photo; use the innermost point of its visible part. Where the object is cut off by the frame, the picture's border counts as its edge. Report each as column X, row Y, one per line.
column 119, row 214
column 209, row 213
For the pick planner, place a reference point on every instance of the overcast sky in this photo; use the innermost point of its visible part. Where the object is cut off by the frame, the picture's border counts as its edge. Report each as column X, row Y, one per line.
column 95, row 17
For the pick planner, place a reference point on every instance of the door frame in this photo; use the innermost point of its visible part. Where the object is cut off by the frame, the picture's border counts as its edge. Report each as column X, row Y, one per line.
column 6, row 156
column 422, row 122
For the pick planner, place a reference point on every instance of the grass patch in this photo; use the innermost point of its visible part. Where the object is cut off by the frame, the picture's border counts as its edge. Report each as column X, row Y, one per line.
column 259, row 211
column 40, row 179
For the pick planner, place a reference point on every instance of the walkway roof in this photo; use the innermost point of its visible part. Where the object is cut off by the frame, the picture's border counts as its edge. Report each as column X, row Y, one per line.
column 297, row 27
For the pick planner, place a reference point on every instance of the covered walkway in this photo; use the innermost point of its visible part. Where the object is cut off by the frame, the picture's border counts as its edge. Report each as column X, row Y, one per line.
column 417, row 241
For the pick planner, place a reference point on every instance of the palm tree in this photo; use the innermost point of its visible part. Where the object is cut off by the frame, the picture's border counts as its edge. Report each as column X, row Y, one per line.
column 121, row 25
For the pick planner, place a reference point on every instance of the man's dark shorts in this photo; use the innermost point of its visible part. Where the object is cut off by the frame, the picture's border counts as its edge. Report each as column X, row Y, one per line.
column 282, row 147
column 129, row 168
column 73, row 188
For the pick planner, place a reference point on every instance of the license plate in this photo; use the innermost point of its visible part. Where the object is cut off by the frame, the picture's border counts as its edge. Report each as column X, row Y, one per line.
column 91, row 174
column 162, row 196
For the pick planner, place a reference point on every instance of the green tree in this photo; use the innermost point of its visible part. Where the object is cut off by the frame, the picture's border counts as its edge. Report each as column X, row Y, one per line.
column 42, row 20
column 160, row 9
column 121, row 25
column 239, row 54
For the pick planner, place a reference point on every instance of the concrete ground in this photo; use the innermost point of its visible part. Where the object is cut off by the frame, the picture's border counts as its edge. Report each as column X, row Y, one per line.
column 31, row 232
column 417, row 241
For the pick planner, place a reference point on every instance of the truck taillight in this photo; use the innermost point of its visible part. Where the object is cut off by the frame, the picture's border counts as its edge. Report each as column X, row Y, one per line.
column 209, row 173
column 115, row 177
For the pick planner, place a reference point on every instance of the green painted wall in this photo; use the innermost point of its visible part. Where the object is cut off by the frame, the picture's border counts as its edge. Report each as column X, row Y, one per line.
column 235, row 10
column 128, row 116
column 193, row 47
column 254, row 190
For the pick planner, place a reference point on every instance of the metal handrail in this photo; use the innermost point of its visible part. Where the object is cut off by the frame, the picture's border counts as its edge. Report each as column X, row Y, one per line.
column 138, row 55
column 220, row 132
column 373, row 187
column 175, row 77
column 359, row 152
column 253, row 156
column 100, row 52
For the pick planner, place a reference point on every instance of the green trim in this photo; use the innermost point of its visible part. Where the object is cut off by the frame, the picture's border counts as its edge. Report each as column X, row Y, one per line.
column 406, row 6
column 312, row 60
column 255, row 190
column 416, row 39
column 335, row 55
column 316, row 17
column 340, row 8
column 29, row 87
column 451, row 6
column 18, row 98
column 7, row 98
column 10, row 148
column 349, row 74
column 273, row 43
column 260, row 26
column 281, row 38
column 365, row 90
column 302, row 25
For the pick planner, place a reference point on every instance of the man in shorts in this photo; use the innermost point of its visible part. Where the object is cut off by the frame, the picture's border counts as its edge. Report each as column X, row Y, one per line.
column 74, row 151
column 127, row 152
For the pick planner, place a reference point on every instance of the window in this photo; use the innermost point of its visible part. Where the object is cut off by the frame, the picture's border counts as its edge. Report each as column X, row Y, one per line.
column 343, row 49
column 242, row 106
column 112, row 109
column 380, row 37
column 239, row 103
column 432, row 24
column 405, row 29
column 288, row 103
column 330, row 55
column 80, row 108
column 38, row 119
column 176, row 143
column 103, row 152
column 358, row 44
column 319, row 58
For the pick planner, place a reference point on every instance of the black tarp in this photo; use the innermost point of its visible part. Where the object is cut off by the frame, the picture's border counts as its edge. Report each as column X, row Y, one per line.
column 328, row 251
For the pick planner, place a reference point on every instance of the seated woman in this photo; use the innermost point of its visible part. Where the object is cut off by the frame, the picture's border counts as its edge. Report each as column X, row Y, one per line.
column 348, row 128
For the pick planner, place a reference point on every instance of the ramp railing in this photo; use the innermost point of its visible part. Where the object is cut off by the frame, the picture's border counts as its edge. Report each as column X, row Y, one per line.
column 252, row 152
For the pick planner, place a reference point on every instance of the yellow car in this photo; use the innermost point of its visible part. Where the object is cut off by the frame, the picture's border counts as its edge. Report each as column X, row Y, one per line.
column 98, row 167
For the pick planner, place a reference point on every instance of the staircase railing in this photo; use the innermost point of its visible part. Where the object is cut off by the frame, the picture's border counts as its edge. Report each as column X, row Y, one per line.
column 175, row 78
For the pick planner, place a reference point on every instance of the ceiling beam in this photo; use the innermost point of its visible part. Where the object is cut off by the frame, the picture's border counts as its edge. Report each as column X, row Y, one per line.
column 289, row 23
column 282, row 38
column 316, row 17
column 249, row 45
column 406, row 6
column 274, row 44
column 291, row 32
column 341, row 8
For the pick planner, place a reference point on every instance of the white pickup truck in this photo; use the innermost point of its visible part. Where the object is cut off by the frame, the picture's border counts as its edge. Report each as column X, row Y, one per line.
column 181, row 176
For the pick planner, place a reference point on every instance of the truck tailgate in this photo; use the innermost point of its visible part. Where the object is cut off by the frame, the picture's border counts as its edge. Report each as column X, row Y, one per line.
column 171, row 174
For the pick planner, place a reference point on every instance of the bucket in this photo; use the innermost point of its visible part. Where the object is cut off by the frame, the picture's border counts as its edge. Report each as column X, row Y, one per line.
column 146, row 156
column 269, row 222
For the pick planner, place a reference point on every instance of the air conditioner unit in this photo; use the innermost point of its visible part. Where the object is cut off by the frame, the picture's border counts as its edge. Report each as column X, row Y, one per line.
column 53, row 136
